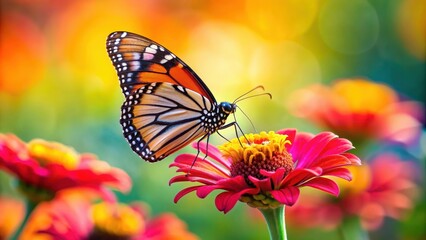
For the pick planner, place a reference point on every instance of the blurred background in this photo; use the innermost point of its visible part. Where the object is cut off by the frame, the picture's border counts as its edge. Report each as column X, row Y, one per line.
column 57, row 82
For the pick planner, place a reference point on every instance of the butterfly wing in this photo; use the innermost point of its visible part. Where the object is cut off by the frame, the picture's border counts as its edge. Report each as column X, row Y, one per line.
column 139, row 61
column 161, row 118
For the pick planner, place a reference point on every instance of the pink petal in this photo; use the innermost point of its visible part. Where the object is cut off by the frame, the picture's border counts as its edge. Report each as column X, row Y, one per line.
column 298, row 140
column 203, row 191
column 205, row 167
column 182, row 159
column 313, row 149
column 323, row 184
column 184, row 178
column 299, row 176
column 264, row 185
column 276, row 177
column 353, row 158
column 337, row 146
column 179, row 178
column 331, row 161
column 183, row 192
column 234, row 184
column 297, row 146
column 287, row 196
column 339, row 172
column 214, row 153
column 226, row 201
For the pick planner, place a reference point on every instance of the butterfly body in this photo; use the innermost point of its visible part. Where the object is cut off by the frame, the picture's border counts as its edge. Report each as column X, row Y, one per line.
column 167, row 105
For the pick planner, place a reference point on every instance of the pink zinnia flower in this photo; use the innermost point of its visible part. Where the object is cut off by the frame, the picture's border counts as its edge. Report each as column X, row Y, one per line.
column 360, row 110
column 76, row 218
column 373, row 194
column 45, row 168
column 268, row 170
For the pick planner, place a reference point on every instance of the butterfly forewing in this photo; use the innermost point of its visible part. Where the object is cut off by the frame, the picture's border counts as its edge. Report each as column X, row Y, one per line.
column 161, row 118
column 167, row 105
column 139, row 60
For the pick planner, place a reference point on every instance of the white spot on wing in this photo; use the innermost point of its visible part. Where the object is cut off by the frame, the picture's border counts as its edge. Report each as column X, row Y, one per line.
column 148, row 56
column 134, row 65
column 180, row 88
column 136, row 56
column 150, row 50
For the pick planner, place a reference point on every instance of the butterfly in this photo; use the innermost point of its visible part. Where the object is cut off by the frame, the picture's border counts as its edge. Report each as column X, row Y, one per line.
column 167, row 105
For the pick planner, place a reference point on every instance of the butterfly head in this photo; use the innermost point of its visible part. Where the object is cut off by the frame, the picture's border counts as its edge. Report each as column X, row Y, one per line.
column 227, row 107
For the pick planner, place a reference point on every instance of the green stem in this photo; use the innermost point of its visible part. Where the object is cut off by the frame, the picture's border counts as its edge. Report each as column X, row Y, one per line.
column 351, row 229
column 275, row 219
column 30, row 206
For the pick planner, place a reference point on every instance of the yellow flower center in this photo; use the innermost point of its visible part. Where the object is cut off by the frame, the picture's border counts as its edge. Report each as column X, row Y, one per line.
column 254, row 152
column 362, row 96
column 118, row 221
column 50, row 152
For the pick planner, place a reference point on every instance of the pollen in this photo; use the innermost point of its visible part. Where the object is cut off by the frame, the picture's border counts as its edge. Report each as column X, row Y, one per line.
column 53, row 153
column 254, row 152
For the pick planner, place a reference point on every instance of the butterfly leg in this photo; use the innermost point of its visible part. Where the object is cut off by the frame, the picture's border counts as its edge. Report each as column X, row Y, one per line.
column 236, row 128
column 226, row 139
column 198, row 151
column 241, row 130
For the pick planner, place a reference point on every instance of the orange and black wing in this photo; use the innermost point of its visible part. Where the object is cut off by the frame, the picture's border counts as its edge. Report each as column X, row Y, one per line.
column 139, row 61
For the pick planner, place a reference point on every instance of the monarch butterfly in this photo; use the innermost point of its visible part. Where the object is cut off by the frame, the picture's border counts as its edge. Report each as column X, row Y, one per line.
column 167, row 105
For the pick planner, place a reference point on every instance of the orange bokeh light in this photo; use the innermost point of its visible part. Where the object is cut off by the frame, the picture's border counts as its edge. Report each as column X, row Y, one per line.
column 22, row 53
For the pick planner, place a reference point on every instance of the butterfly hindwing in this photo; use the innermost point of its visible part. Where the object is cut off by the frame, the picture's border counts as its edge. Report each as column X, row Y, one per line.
column 161, row 118
column 139, row 60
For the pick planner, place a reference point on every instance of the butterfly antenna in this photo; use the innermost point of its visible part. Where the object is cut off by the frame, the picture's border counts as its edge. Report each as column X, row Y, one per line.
column 245, row 94
column 256, row 95
column 251, row 123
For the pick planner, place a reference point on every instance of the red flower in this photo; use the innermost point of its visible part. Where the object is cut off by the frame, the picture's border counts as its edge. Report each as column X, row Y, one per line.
column 269, row 170
column 74, row 217
column 389, row 193
column 44, row 168
column 65, row 217
column 373, row 195
column 360, row 110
